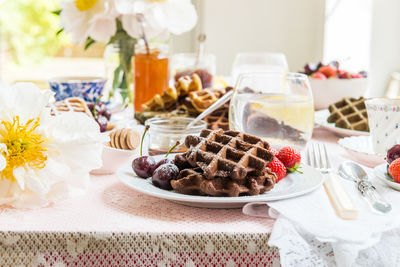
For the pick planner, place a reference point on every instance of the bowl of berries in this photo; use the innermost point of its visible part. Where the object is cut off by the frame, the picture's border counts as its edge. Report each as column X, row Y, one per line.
column 329, row 83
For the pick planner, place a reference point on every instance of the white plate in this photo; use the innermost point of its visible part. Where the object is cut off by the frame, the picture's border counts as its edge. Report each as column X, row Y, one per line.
column 361, row 150
column 321, row 117
column 295, row 184
column 381, row 173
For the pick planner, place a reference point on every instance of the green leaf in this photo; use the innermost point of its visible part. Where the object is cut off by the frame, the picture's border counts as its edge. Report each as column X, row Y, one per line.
column 89, row 42
column 59, row 31
column 56, row 12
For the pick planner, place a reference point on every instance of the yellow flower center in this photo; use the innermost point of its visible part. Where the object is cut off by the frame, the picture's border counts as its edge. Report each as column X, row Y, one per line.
column 84, row 5
column 24, row 146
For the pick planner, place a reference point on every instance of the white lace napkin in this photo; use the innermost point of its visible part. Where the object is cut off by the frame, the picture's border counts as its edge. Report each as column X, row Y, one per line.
column 309, row 233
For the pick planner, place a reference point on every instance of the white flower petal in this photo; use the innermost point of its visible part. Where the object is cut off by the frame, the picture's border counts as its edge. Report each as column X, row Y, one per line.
column 3, row 162
column 35, row 184
column 128, row 6
column 80, row 23
column 102, row 30
column 19, row 174
column 30, row 101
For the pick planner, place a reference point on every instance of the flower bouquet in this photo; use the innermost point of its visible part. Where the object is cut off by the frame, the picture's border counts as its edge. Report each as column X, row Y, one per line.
column 122, row 23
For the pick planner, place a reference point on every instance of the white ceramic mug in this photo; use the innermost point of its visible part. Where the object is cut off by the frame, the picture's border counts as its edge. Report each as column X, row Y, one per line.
column 384, row 123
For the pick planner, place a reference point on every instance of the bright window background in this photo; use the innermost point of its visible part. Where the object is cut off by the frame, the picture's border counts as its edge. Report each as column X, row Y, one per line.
column 348, row 33
column 362, row 34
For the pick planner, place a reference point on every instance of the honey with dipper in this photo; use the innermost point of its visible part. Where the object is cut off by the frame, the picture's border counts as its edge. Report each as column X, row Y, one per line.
column 151, row 70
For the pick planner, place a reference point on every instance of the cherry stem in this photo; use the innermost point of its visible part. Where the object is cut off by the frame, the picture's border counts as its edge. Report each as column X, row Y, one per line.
column 172, row 148
column 94, row 106
column 141, row 141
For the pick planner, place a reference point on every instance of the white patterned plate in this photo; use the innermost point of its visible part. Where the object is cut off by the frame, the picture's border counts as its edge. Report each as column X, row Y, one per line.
column 381, row 172
column 321, row 117
column 295, row 184
column 361, row 150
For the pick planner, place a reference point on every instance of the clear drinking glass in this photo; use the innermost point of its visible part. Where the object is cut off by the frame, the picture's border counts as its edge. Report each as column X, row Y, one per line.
column 258, row 62
column 275, row 106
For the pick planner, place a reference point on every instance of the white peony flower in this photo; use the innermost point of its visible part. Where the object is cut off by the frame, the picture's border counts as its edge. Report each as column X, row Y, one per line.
column 43, row 159
column 161, row 17
column 84, row 18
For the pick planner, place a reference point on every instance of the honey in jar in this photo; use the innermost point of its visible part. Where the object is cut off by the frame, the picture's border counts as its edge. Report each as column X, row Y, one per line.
column 151, row 73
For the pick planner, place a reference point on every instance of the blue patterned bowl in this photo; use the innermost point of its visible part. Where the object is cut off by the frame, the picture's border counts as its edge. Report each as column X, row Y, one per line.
column 88, row 88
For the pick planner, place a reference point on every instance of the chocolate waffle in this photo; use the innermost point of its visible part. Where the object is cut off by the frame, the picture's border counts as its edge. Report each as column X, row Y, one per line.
column 218, row 119
column 349, row 113
column 193, row 182
column 228, row 154
column 73, row 104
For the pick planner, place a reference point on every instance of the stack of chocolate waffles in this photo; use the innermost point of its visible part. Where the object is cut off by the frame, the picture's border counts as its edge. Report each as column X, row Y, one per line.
column 224, row 163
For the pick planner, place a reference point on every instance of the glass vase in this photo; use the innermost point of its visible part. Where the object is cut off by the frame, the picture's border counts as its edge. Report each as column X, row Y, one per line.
column 118, row 62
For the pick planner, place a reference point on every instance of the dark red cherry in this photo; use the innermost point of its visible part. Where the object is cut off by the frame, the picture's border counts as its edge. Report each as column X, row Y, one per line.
column 393, row 154
column 143, row 166
column 164, row 174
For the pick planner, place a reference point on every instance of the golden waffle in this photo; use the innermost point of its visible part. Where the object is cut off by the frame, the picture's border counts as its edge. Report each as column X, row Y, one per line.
column 162, row 102
column 218, row 119
column 201, row 100
column 192, row 181
column 227, row 154
column 349, row 113
column 187, row 84
column 73, row 104
column 168, row 101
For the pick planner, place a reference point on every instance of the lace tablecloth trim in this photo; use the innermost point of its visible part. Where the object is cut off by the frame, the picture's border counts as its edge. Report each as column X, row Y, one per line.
column 135, row 249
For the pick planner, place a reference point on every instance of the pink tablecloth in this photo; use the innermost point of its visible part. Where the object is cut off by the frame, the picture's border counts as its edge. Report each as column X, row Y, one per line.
column 115, row 226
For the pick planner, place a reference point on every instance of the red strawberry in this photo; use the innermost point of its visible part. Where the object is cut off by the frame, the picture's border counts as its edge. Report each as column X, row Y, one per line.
column 343, row 74
column 277, row 167
column 273, row 151
column 328, row 70
column 394, row 170
column 356, row 75
column 290, row 157
column 319, row 76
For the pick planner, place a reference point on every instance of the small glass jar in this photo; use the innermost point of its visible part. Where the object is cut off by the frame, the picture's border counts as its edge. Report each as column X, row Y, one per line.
column 187, row 63
column 165, row 132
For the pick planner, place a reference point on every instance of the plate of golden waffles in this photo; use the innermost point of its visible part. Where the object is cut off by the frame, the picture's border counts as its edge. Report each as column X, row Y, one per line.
column 187, row 98
column 346, row 117
column 220, row 169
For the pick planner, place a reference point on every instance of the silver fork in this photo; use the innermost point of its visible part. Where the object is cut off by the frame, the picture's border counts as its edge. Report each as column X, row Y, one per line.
column 320, row 160
column 340, row 199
